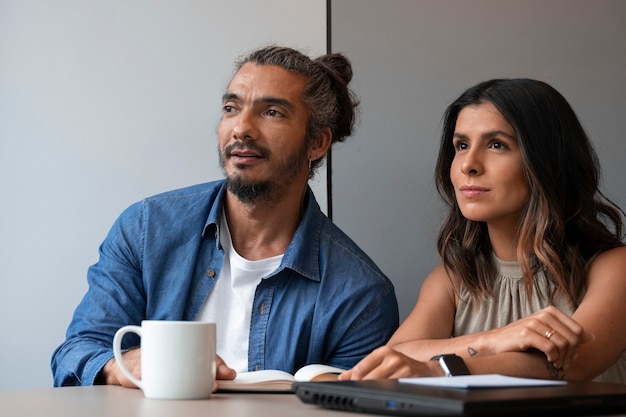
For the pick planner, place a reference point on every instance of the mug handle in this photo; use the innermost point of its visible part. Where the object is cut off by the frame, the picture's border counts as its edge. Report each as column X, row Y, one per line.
column 117, row 352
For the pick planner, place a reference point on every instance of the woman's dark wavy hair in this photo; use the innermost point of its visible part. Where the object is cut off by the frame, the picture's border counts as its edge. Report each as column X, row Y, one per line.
column 326, row 94
column 566, row 222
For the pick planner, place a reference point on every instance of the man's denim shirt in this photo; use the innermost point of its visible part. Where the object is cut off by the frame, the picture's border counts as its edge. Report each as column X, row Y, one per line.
column 326, row 303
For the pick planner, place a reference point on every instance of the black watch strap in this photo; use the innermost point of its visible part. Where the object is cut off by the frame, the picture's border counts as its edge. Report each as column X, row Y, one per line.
column 451, row 364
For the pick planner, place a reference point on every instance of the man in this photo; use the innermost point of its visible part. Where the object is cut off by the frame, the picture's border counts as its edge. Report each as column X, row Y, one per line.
column 252, row 253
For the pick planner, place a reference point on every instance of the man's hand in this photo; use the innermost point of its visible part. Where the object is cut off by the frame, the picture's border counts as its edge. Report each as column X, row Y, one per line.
column 222, row 372
column 113, row 375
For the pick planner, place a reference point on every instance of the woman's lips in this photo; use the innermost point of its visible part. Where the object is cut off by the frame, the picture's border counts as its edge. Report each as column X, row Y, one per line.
column 473, row 190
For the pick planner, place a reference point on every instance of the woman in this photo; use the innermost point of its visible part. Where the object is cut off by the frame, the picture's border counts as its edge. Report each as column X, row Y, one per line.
column 533, row 276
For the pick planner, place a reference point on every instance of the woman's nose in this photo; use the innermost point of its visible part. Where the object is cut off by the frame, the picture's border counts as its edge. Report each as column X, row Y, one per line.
column 471, row 163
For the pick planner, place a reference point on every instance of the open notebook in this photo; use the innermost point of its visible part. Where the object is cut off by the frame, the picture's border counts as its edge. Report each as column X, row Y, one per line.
column 392, row 397
column 272, row 380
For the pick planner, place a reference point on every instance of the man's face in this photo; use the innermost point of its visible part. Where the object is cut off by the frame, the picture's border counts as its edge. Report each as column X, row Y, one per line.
column 262, row 133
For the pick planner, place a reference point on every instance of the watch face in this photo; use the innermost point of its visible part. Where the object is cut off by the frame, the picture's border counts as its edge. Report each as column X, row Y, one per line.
column 453, row 365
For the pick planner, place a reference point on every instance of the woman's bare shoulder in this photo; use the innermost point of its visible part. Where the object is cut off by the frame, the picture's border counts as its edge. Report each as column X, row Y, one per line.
column 610, row 263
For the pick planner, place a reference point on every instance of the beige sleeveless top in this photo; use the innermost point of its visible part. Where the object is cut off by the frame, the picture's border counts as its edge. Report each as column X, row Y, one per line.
column 512, row 303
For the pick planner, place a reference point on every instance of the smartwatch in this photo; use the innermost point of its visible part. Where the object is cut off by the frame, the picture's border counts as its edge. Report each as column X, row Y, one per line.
column 451, row 364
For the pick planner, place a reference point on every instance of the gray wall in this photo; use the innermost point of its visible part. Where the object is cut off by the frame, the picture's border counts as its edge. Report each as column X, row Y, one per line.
column 413, row 57
column 103, row 103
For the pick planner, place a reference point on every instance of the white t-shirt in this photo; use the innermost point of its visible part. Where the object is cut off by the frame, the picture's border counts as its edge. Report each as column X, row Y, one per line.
column 229, row 303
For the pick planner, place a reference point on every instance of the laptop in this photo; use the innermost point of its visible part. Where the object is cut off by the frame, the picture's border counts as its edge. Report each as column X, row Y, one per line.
column 392, row 397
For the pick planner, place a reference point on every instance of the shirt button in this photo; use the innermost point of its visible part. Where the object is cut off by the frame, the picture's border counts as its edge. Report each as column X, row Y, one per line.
column 210, row 273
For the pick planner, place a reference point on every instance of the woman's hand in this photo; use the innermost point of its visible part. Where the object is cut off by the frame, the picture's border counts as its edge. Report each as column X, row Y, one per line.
column 549, row 330
column 385, row 362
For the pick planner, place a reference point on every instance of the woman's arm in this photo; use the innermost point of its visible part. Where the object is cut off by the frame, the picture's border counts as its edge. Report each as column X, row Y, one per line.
column 520, row 348
column 527, row 347
column 602, row 312
column 428, row 329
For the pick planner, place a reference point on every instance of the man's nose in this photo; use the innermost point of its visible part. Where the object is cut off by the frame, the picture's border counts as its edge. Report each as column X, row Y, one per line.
column 245, row 127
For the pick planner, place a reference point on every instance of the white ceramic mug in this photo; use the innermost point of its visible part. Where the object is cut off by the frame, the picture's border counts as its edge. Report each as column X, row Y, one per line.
column 177, row 358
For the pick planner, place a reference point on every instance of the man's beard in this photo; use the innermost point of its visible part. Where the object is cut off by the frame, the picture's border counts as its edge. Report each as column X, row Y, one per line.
column 248, row 192
column 269, row 190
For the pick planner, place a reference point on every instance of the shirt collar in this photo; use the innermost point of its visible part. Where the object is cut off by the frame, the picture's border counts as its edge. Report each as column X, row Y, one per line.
column 211, row 226
column 302, row 254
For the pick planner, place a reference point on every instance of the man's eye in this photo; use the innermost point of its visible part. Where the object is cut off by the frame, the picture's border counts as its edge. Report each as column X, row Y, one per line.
column 273, row 113
column 228, row 109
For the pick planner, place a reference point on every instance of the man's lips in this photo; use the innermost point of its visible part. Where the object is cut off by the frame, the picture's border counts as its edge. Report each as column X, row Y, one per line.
column 242, row 158
column 245, row 154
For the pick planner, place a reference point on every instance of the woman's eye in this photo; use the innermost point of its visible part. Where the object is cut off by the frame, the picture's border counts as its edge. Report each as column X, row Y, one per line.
column 498, row 145
column 460, row 146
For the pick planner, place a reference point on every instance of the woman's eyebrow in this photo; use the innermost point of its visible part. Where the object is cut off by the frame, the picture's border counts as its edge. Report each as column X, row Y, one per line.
column 490, row 134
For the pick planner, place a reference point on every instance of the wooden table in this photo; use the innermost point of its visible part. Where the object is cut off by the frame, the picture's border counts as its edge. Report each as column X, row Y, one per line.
column 115, row 401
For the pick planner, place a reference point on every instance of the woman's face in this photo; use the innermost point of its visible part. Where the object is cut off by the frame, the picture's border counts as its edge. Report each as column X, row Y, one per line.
column 487, row 170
